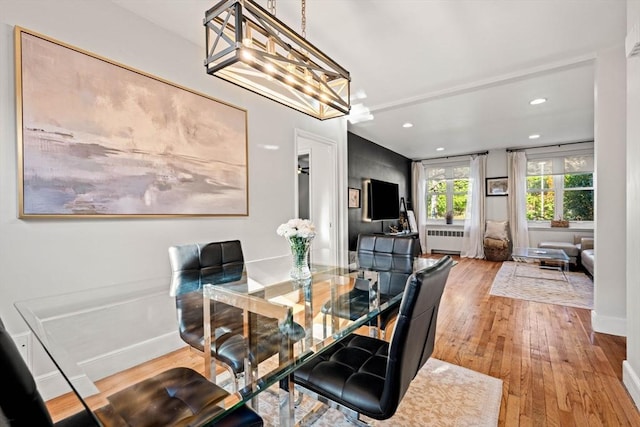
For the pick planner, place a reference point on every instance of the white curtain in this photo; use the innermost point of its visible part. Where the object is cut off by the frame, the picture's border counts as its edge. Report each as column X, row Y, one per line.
column 419, row 205
column 518, row 199
column 473, row 237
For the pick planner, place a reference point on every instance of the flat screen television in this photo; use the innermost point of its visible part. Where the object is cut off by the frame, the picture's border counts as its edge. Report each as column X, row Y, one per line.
column 384, row 200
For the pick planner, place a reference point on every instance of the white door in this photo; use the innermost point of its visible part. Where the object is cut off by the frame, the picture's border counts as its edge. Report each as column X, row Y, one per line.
column 323, row 170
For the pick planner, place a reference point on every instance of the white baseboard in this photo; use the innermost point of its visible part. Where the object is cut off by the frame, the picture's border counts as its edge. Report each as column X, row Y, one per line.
column 609, row 325
column 52, row 384
column 631, row 381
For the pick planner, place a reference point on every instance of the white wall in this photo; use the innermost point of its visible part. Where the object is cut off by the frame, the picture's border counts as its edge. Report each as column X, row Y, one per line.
column 631, row 366
column 42, row 257
column 609, row 312
column 496, row 208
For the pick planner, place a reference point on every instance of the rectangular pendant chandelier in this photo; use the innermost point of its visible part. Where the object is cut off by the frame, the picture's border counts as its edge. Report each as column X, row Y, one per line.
column 248, row 46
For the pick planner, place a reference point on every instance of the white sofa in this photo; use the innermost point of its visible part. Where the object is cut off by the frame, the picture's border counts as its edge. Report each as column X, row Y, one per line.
column 587, row 255
column 575, row 251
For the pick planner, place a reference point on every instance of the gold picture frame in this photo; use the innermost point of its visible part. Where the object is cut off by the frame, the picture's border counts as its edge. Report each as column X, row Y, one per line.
column 98, row 139
column 354, row 198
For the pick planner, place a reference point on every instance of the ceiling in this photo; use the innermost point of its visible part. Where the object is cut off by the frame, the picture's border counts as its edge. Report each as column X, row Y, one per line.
column 462, row 71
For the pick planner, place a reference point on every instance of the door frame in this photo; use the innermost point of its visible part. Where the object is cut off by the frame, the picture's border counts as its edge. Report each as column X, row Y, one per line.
column 338, row 228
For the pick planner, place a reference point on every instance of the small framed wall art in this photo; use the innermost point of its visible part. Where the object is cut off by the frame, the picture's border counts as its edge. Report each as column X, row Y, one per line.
column 497, row 186
column 354, row 197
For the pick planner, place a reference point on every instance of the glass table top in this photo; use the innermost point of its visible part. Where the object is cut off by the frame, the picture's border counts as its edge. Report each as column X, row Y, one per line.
column 540, row 253
column 93, row 336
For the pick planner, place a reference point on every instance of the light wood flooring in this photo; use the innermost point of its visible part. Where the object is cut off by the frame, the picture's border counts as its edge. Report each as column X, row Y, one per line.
column 555, row 370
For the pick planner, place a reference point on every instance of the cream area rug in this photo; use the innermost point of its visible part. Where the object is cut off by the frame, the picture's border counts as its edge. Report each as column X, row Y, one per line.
column 548, row 286
column 440, row 395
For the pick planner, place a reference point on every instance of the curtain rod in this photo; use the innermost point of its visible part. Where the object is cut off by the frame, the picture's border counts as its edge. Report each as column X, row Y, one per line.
column 560, row 144
column 479, row 153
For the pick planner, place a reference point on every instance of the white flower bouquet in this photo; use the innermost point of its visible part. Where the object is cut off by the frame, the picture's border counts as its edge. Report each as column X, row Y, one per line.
column 299, row 233
column 297, row 228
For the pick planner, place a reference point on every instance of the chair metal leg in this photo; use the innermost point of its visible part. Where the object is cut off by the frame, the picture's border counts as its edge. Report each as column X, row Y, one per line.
column 233, row 377
column 353, row 417
column 323, row 404
column 324, row 325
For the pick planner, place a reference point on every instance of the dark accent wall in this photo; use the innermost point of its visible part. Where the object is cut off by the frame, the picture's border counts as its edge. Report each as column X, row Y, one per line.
column 369, row 160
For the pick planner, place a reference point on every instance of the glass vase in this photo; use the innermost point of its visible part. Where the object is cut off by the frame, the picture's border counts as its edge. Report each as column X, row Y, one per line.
column 300, row 253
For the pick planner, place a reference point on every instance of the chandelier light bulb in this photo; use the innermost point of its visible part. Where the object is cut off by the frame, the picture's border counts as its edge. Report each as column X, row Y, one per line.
column 246, row 54
column 248, row 38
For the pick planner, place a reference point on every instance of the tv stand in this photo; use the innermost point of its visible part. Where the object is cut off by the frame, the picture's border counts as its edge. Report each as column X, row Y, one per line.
column 399, row 234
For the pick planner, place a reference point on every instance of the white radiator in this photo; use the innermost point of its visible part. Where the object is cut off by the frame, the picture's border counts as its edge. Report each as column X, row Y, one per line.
column 444, row 241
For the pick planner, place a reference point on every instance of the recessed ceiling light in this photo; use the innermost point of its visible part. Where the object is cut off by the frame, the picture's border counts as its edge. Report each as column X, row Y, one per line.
column 534, row 136
column 407, row 125
column 538, row 101
column 440, row 149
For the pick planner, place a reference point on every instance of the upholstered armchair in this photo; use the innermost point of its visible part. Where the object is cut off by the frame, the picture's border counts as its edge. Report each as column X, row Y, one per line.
column 497, row 241
column 366, row 375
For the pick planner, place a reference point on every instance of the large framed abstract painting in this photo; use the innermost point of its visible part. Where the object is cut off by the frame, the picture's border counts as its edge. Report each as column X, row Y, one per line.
column 99, row 139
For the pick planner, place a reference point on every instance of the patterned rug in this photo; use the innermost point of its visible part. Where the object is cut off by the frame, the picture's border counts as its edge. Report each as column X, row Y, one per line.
column 441, row 395
column 548, row 286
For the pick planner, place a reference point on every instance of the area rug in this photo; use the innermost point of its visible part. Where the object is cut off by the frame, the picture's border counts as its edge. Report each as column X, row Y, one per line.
column 535, row 284
column 441, row 395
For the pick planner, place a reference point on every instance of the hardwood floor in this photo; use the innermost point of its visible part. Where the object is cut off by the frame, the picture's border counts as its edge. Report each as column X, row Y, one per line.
column 555, row 370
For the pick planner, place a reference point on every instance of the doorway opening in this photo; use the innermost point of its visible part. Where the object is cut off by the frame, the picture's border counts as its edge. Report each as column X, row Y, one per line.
column 304, row 172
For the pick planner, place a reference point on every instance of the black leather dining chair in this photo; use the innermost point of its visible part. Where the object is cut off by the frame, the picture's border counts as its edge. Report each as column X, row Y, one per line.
column 369, row 376
column 392, row 257
column 179, row 396
column 220, row 263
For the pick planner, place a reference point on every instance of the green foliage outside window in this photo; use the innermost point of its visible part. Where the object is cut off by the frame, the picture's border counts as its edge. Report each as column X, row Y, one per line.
column 436, row 198
column 460, row 188
column 540, row 198
column 578, row 197
column 437, row 205
column 577, row 203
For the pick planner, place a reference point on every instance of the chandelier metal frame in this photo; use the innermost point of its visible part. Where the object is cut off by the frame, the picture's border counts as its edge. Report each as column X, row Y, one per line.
column 250, row 47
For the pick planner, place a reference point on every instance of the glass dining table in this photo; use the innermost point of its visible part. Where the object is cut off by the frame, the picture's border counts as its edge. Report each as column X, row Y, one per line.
column 103, row 340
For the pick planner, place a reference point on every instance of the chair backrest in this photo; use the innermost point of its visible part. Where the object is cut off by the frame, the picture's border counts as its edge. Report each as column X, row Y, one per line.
column 392, row 256
column 415, row 330
column 391, row 245
column 195, row 264
column 20, row 400
column 215, row 261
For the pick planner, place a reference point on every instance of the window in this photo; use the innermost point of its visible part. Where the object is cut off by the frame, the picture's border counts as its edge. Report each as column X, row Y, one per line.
column 560, row 186
column 447, row 187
